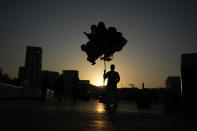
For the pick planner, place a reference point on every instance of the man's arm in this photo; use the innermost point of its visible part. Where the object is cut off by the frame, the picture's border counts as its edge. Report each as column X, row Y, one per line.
column 105, row 74
column 118, row 77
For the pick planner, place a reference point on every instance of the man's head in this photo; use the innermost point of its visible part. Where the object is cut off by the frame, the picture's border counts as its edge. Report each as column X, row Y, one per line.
column 112, row 67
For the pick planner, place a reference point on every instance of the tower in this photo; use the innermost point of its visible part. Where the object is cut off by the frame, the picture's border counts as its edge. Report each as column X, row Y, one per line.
column 68, row 82
column 189, row 81
column 33, row 65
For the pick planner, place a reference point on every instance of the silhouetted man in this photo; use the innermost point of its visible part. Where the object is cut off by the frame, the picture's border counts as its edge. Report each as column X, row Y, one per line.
column 113, row 79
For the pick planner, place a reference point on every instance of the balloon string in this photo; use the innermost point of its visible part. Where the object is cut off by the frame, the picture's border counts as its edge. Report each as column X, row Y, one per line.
column 104, row 64
column 105, row 70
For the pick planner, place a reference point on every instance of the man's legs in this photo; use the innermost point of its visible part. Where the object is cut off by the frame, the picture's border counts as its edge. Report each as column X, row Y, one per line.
column 108, row 95
column 114, row 97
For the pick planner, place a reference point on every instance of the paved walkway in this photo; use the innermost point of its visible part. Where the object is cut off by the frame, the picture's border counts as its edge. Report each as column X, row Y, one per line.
column 34, row 115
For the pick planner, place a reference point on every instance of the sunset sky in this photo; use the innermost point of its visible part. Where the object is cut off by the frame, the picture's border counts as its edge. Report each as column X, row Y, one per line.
column 158, row 32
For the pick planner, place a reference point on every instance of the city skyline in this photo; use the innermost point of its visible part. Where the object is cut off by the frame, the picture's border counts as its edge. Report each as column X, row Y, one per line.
column 158, row 32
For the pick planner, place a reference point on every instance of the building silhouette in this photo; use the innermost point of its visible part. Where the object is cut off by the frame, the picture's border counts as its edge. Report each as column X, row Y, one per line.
column 52, row 76
column 85, row 90
column 1, row 73
column 174, row 82
column 189, row 81
column 173, row 98
column 68, row 82
column 30, row 74
column 21, row 73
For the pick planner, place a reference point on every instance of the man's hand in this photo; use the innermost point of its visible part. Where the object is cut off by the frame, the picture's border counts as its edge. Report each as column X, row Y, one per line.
column 104, row 74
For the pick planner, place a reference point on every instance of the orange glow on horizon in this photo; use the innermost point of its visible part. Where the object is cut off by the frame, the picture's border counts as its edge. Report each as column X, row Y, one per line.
column 99, row 82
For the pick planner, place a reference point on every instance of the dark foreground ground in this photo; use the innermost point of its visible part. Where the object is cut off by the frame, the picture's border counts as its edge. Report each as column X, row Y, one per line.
column 34, row 115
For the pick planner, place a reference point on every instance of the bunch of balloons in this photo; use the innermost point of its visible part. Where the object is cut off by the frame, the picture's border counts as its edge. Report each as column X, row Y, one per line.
column 103, row 43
